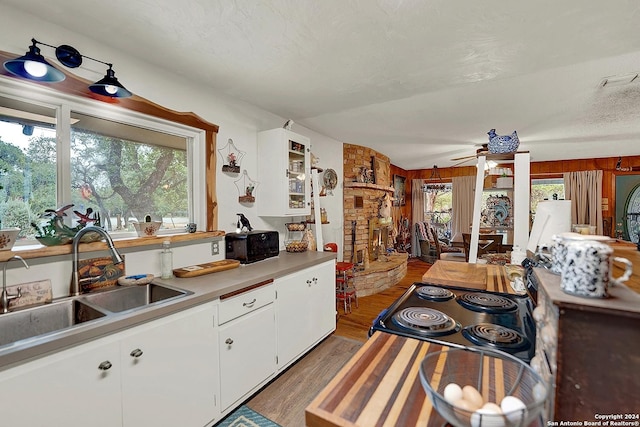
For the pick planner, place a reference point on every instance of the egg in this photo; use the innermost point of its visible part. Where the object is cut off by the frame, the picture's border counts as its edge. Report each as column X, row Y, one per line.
column 514, row 409
column 492, row 407
column 462, row 411
column 452, row 392
column 539, row 392
column 472, row 396
column 487, row 418
column 462, row 404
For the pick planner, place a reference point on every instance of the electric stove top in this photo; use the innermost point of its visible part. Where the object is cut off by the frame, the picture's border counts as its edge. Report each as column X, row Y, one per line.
column 462, row 317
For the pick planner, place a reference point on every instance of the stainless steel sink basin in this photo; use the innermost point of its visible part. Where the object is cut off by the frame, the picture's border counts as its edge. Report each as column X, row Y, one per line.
column 43, row 319
column 131, row 297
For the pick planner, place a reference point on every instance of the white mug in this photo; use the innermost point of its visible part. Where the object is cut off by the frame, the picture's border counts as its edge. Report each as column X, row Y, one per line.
column 587, row 269
column 559, row 247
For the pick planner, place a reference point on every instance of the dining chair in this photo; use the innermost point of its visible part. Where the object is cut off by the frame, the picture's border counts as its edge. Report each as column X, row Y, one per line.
column 446, row 252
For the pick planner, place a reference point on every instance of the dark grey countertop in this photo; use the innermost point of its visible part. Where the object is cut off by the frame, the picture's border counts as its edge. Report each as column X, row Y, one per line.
column 204, row 289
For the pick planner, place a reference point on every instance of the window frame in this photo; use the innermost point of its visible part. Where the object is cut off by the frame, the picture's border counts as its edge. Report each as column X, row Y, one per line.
column 533, row 180
column 64, row 104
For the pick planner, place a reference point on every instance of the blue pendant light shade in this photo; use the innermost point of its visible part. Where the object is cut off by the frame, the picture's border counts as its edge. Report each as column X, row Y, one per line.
column 33, row 66
column 110, row 86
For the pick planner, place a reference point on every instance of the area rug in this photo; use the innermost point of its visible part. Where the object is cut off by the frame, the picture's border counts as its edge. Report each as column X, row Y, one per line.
column 245, row 417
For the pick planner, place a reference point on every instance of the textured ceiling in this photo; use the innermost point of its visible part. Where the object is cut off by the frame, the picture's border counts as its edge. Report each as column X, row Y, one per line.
column 421, row 81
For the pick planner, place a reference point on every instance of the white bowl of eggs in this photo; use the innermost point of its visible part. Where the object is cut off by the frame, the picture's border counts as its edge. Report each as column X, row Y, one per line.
column 480, row 387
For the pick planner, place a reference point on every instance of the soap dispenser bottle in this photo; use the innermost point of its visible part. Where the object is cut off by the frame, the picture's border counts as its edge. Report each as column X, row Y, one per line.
column 166, row 261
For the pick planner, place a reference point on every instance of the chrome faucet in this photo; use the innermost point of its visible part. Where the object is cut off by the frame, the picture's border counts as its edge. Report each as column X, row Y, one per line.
column 74, row 288
column 6, row 298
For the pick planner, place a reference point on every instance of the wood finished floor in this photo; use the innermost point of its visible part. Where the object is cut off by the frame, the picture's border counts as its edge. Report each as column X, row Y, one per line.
column 355, row 325
column 285, row 399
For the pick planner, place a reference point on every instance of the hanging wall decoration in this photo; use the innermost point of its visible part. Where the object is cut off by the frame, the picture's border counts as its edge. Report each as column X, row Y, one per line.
column 330, row 181
column 231, row 157
column 246, row 187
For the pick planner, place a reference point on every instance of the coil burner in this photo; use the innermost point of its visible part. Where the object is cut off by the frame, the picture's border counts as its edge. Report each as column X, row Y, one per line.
column 485, row 302
column 495, row 336
column 426, row 321
column 462, row 317
column 434, row 293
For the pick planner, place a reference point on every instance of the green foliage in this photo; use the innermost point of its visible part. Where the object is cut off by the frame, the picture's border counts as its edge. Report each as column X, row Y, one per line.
column 110, row 175
column 16, row 213
column 129, row 178
column 11, row 157
column 541, row 192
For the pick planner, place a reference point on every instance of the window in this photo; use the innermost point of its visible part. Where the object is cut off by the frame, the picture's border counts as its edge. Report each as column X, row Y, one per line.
column 437, row 208
column 113, row 166
column 546, row 189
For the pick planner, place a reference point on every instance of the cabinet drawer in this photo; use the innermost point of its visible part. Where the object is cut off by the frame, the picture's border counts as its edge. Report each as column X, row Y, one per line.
column 236, row 305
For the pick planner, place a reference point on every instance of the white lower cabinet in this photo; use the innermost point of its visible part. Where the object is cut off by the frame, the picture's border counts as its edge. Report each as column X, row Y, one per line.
column 163, row 373
column 247, row 345
column 68, row 389
column 305, row 310
column 169, row 371
column 187, row 369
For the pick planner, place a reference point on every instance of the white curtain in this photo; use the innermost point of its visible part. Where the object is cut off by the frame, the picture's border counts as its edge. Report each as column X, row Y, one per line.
column 417, row 213
column 462, row 188
column 584, row 189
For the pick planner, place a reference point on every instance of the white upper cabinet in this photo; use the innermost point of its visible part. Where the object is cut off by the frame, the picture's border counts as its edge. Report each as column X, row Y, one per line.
column 284, row 174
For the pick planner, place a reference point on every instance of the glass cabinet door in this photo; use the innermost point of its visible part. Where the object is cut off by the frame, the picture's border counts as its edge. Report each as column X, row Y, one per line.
column 284, row 173
column 297, row 175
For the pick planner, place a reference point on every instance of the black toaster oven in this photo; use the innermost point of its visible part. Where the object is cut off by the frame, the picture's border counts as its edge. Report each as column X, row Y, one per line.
column 252, row 246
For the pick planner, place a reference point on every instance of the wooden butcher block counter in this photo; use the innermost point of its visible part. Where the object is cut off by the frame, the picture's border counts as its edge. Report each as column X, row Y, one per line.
column 380, row 385
column 484, row 277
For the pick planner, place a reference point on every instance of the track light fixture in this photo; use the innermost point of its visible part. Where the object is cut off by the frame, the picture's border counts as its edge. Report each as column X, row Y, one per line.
column 33, row 66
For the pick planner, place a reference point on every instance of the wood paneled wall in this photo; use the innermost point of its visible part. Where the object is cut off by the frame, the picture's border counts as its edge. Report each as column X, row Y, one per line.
column 553, row 169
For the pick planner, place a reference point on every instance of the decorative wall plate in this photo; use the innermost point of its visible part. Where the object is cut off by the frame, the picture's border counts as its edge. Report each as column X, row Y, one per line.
column 497, row 212
column 330, row 180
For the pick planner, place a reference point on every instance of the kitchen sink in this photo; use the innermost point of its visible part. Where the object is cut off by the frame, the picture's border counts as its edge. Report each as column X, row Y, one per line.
column 32, row 322
column 131, row 297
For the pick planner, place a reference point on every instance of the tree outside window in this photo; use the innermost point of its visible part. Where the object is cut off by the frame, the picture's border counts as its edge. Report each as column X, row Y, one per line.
column 117, row 171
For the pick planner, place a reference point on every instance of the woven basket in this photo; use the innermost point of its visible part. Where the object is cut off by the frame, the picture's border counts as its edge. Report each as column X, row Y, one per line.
column 297, row 246
column 296, row 226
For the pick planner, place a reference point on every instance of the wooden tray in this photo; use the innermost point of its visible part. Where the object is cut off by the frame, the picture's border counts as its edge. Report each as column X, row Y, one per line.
column 461, row 274
column 206, row 268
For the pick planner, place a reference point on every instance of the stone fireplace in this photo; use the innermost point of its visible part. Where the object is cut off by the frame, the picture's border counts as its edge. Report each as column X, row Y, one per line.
column 366, row 235
column 380, row 237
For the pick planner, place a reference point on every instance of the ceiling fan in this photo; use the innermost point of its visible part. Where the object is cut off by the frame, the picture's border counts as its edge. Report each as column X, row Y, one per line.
column 484, row 148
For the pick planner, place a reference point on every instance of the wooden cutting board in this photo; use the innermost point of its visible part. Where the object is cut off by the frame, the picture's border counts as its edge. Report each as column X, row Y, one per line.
column 462, row 274
column 206, row 268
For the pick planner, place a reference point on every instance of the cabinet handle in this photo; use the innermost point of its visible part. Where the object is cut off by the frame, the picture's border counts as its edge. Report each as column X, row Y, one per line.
column 315, row 280
column 228, row 341
column 309, row 282
column 105, row 366
column 249, row 304
column 136, row 353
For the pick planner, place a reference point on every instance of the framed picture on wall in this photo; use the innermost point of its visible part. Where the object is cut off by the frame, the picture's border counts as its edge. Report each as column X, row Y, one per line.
column 380, row 171
column 398, row 190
